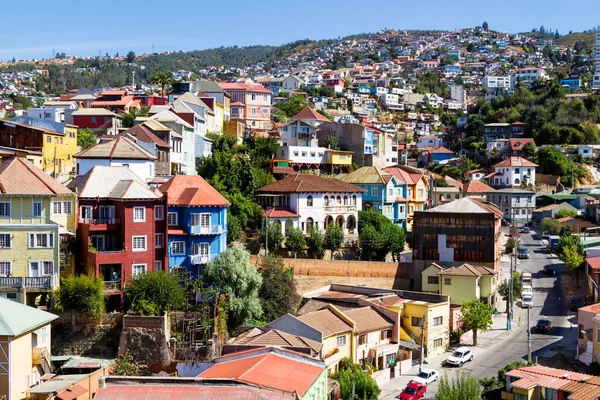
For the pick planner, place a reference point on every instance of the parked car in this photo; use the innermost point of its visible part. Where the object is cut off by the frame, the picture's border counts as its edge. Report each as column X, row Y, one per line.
column 413, row 391
column 426, row 376
column 460, row 356
column 527, row 290
column 527, row 301
column 549, row 269
column 546, row 235
column 527, row 279
column 543, row 325
column 575, row 303
column 526, row 230
column 523, row 253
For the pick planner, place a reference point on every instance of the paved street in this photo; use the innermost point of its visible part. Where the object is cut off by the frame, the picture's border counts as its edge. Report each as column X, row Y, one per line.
column 499, row 347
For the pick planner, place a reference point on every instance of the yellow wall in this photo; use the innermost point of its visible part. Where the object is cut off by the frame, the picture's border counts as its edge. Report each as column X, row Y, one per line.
column 432, row 331
column 330, row 343
column 219, row 116
column 21, row 366
column 20, row 254
column 461, row 289
column 425, row 274
column 488, row 286
column 66, row 147
column 339, row 158
column 524, row 392
column 596, row 349
column 69, row 221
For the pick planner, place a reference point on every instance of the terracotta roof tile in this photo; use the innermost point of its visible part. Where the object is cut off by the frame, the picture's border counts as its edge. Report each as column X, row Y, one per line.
column 144, row 134
column 326, row 322
column 467, row 270
column 518, row 144
column 226, row 391
column 306, row 183
column 309, row 114
column 19, row 176
column 192, row 190
column 477, row 187
column 514, row 162
column 367, row 319
column 279, row 212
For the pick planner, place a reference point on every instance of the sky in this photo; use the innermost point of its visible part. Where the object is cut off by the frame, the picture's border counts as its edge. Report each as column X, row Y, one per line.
column 92, row 27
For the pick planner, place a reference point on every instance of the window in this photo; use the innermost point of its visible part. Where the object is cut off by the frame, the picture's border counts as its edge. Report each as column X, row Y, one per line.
column 41, row 240
column 253, row 111
column 4, row 268
column 138, row 243
column 438, row 342
column 390, row 192
column 94, row 121
column 447, row 281
column 341, row 340
column 265, row 98
column 518, row 396
column 36, row 209
column 265, row 110
column 172, row 218
column 518, row 199
column 159, row 213
column 139, row 214
column 57, row 208
column 200, row 249
column 433, row 280
column 158, row 265
column 401, row 209
column 437, row 321
column 362, row 339
column 386, row 334
column 417, row 321
column 49, row 139
column 67, row 208
column 253, row 97
column 48, row 268
column 158, row 240
column 597, row 335
column 178, row 248
column 551, row 394
column 374, row 191
column 309, row 201
column 137, row 269
column 5, row 209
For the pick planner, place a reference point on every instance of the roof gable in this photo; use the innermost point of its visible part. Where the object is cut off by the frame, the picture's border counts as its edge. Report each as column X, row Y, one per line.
column 192, row 190
column 19, row 176
column 17, row 318
column 307, row 183
column 118, row 148
column 112, row 182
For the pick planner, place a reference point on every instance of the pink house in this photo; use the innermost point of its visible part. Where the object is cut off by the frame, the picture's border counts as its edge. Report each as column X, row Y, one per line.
column 251, row 104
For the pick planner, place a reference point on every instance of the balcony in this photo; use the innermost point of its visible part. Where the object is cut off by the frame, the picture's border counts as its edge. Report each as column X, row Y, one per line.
column 101, row 224
column 40, row 283
column 201, row 258
column 206, row 230
column 340, row 209
column 112, row 286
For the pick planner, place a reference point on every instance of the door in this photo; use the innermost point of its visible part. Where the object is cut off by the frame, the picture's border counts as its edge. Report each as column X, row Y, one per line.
column 34, row 269
column 99, row 242
column 86, row 212
column 205, row 221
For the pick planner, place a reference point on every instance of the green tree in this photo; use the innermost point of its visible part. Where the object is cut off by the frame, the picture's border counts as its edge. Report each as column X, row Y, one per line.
column 292, row 106
column 125, row 365
column 85, row 138
column 395, row 239
column 378, row 236
column 353, row 379
column 517, row 288
column 271, row 237
column 476, row 315
column 551, row 225
column 130, row 57
column 331, row 142
column 529, row 152
column 153, row 293
column 163, row 79
column 485, row 26
column 334, row 238
column 240, row 282
column 128, row 119
column 234, row 228
column 569, row 240
column 565, row 213
column 573, row 259
column 316, row 241
column 278, row 295
column 463, row 387
column 85, row 294
column 295, row 241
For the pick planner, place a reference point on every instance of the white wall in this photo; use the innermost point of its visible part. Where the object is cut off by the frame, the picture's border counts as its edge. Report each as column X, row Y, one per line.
column 319, row 210
column 145, row 169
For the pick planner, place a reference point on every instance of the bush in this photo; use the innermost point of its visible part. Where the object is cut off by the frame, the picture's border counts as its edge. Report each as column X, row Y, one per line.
column 153, row 293
column 350, row 376
column 125, row 365
column 84, row 293
column 565, row 213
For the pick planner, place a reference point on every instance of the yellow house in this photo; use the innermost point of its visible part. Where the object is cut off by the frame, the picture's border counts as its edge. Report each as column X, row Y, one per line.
column 24, row 348
column 337, row 159
column 219, row 117
column 466, row 283
column 37, row 220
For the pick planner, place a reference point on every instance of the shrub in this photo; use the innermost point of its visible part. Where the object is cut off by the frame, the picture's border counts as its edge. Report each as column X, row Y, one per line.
column 84, row 293
column 152, row 293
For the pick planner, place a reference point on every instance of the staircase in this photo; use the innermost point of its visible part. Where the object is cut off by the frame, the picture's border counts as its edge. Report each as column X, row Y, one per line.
column 46, row 362
column 584, row 352
column 414, row 338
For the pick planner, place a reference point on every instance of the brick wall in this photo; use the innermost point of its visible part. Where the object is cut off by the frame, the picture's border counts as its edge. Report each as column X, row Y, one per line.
column 133, row 321
column 312, row 274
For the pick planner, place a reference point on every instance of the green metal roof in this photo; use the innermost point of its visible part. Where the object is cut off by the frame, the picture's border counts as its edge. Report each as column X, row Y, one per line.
column 17, row 318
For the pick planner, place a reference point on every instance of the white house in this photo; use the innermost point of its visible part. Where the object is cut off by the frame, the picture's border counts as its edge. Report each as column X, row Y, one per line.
column 527, row 76
column 429, row 141
column 304, row 200
column 391, row 101
column 513, row 171
column 292, row 82
column 495, row 82
column 433, row 100
column 120, row 152
column 475, row 174
column 588, row 150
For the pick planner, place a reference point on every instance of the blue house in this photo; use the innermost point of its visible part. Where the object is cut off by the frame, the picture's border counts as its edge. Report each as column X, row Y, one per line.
column 385, row 193
column 197, row 222
column 363, row 90
column 573, row 82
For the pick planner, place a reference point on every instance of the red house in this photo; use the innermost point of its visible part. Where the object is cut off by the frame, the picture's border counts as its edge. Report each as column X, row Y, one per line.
column 99, row 120
column 148, row 101
column 121, row 227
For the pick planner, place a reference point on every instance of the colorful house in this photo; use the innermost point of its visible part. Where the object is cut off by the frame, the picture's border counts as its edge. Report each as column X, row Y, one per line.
column 384, row 193
column 417, row 187
column 463, row 283
column 25, row 345
column 37, row 220
column 197, row 222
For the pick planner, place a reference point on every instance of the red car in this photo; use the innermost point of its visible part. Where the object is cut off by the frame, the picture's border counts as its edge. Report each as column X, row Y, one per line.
column 414, row 391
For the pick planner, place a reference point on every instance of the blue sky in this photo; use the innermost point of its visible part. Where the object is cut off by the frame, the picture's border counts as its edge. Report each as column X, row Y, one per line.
column 85, row 27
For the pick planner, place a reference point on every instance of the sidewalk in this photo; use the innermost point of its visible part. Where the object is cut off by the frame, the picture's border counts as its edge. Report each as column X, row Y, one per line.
column 484, row 341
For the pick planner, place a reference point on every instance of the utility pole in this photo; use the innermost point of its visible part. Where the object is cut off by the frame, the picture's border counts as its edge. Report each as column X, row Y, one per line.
column 528, row 337
column 267, row 240
column 422, row 342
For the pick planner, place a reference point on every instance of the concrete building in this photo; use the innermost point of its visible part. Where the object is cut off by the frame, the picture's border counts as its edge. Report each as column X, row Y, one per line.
column 517, row 205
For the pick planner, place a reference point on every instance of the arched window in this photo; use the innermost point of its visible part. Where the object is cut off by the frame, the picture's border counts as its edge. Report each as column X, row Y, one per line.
column 354, row 200
column 339, row 200
column 309, row 224
column 326, row 198
column 517, row 181
column 309, row 201
column 345, row 200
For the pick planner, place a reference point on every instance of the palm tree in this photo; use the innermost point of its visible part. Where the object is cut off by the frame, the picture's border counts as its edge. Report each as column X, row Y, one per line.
column 161, row 78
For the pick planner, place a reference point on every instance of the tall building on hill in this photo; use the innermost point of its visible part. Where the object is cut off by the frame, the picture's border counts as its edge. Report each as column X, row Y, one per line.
column 596, row 81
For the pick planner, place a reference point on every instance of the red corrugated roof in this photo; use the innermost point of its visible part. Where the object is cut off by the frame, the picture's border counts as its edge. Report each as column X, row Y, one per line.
column 594, row 262
column 72, row 393
column 268, row 370
column 230, row 86
column 180, row 392
column 192, row 190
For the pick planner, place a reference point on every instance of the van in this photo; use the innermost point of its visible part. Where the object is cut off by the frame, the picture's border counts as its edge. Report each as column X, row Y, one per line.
column 526, row 279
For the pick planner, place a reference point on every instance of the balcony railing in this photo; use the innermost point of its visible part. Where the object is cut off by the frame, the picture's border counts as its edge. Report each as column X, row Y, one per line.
column 100, row 221
column 112, row 285
column 201, row 259
column 41, row 282
column 340, row 208
column 206, row 230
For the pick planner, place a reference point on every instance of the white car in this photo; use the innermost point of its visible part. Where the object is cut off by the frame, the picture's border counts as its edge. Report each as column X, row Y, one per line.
column 527, row 301
column 460, row 356
column 527, row 290
column 426, row 376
